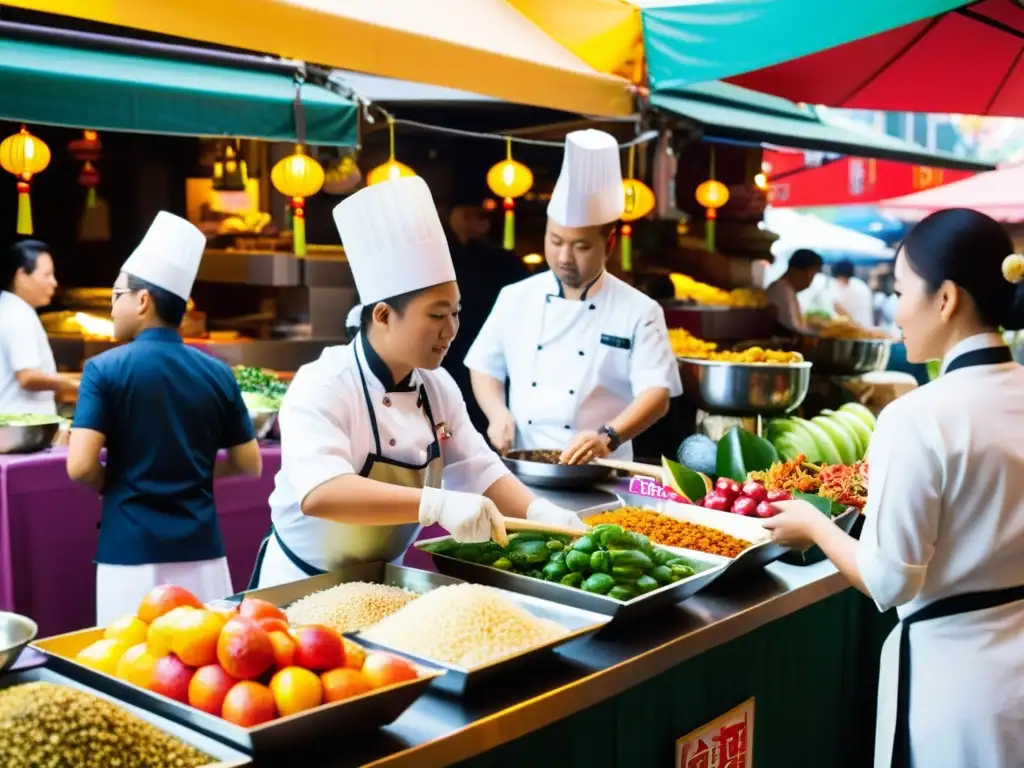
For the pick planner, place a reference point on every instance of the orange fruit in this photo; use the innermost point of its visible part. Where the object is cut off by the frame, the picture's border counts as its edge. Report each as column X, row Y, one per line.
column 343, row 683
column 355, row 654
column 284, row 649
column 103, row 655
column 194, row 637
column 244, row 650
column 209, row 687
column 161, row 631
column 296, row 690
column 129, row 628
column 164, row 599
column 248, row 704
column 256, row 609
column 136, row 666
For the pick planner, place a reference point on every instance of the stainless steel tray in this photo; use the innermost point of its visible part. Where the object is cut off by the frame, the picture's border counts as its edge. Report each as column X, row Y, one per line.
column 457, row 680
column 708, row 569
column 542, row 475
column 215, row 749
column 329, row 721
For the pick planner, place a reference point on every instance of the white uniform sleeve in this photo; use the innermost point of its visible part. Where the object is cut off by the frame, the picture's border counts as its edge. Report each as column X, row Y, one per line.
column 315, row 444
column 652, row 362
column 470, row 464
column 21, row 345
column 904, row 505
column 487, row 353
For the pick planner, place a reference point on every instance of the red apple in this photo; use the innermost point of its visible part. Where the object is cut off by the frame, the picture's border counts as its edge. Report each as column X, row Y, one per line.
column 256, row 609
column 776, row 496
column 318, row 648
column 744, row 506
column 728, row 488
column 249, row 704
column 244, row 650
column 717, row 502
column 171, row 677
column 381, row 669
column 208, row 687
column 764, row 509
column 754, row 490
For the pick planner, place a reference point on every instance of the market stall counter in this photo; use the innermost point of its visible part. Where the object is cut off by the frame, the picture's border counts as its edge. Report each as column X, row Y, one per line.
column 49, row 532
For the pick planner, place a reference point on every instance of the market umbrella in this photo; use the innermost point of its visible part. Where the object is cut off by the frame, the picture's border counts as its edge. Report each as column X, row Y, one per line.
column 799, row 230
column 999, row 193
column 967, row 60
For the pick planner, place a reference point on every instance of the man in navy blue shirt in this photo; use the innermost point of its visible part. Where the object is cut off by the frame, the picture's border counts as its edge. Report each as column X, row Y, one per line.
column 163, row 411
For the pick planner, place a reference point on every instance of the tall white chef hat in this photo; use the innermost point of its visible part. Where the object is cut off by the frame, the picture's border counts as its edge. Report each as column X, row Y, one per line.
column 589, row 190
column 393, row 239
column 169, row 255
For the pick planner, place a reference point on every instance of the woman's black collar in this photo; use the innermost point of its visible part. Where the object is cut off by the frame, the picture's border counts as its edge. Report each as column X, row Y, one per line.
column 380, row 369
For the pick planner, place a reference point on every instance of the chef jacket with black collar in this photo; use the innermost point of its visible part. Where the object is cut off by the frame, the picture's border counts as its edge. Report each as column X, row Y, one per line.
column 573, row 365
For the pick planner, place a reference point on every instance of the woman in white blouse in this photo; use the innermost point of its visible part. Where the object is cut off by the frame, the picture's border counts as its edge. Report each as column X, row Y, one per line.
column 943, row 539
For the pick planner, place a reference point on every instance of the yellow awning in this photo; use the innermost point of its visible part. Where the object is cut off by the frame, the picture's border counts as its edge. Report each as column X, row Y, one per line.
column 483, row 46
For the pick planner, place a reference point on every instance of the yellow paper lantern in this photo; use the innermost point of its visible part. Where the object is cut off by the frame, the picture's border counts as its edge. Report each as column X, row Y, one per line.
column 392, row 169
column 533, row 259
column 298, row 176
column 712, row 195
column 639, row 200
column 24, row 155
column 508, row 180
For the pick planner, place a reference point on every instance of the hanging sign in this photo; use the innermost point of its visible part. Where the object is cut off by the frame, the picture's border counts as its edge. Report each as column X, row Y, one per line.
column 725, row 742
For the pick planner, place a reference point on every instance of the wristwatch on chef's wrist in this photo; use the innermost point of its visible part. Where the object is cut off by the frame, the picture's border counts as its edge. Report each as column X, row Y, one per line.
column 614, row 441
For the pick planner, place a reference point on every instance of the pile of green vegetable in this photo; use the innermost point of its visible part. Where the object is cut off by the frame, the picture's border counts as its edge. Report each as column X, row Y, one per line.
column 260, row 390
column 28, row 419
column 606, row 561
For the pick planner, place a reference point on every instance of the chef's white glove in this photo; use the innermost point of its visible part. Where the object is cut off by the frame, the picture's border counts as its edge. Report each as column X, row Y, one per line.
column 543, row 511
column 468, row 517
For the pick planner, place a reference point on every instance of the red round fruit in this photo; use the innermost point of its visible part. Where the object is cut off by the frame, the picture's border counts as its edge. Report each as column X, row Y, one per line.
column 754, row 490
column 744, row 506
column 717, row 502
column 764, row 509
column 728, row 488
column 775, row 496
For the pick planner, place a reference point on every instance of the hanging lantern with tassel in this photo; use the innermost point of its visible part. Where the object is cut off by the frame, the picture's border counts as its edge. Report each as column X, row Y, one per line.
column 508, row 180
column 712, row 195
column 392, row 169
column 298, row 176
column 86, row 150
column 24, row 155
column 639, row 201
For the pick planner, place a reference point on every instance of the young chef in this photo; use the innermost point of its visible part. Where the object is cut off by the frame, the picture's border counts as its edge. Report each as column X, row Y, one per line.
column 370, row 430
column 944, row 524
column 804, row 266
column 587, row 356
column 28, row 373
column 162, row 410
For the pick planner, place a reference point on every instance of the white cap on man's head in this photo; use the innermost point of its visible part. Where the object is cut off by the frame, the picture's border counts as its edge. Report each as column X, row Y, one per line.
column 589, row 189
column 393, row 239
column 169, row 255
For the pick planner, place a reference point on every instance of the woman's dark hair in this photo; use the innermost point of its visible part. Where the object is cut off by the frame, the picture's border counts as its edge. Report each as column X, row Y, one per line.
column 843, row 268
column 398, row 303
column 169, row 307
column 21, row 255
column 805, row 258
column 967, row 248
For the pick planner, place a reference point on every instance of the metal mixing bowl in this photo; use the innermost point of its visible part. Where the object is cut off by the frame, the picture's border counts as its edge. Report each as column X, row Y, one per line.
column 846, row 357
column 16, row 632
column 28, row 439
column 263, row 422
column 744, row 389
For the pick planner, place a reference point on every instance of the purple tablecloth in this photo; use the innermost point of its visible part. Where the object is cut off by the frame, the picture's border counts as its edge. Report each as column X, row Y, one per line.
column 48, row 536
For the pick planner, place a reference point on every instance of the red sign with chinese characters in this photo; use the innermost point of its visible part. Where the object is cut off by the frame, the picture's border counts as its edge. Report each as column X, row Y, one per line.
column 725, row 742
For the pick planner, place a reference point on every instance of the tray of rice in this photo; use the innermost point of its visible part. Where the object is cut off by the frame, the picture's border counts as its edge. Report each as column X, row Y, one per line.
column 476, row 632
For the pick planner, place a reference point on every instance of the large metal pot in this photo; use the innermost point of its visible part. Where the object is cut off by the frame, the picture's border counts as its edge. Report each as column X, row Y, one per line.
column 27, row 438
column 744, row 389
column 16, row 631
column 846, row 357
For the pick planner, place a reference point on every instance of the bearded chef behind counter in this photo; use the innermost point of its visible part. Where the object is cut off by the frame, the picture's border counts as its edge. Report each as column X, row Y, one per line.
column 587, row 356
column 371, row 429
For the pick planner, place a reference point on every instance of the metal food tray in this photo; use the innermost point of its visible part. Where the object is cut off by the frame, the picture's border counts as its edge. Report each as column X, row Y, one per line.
column 226, row 756
column 708, row 569
column 542, row 475
column 457, row 680
column 370, row 710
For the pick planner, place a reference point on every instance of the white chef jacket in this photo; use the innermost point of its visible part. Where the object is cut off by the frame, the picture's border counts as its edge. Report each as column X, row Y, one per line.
column 573, row 365
column 856, row 299
column 945, row 516
column 23, row 346
column 326, row 433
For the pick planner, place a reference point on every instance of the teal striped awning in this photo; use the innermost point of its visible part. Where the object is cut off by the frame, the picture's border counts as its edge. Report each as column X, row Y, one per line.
column 113, row 91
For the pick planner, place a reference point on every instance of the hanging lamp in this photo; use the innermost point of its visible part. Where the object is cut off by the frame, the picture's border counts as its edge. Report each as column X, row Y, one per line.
column 392, row 169
column 712, row 194
column 508, row 180
column 24, row 155
column 639, row 201
column 298, row 176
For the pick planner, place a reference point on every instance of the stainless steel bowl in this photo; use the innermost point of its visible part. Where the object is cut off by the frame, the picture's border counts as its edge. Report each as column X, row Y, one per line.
column 16, row 632
column 263, row 422
column 846, row 357
column 744, row 389
column 28, row 439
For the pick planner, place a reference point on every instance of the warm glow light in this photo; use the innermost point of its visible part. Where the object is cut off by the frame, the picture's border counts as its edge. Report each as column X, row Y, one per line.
column 94, row 326
column 712, row 194
column 297, row 175
column 509, row 179
column 761, row 181
column 639, row 200
column 388, row 171
column 533, row 259
column 23, row 154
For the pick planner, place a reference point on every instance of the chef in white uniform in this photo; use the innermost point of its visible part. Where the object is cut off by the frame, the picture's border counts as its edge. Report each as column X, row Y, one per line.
column 943, row 536
column 371, row 430
column 587, row 356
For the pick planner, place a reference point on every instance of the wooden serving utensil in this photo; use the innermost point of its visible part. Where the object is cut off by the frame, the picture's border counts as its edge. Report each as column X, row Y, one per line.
column 513, row 524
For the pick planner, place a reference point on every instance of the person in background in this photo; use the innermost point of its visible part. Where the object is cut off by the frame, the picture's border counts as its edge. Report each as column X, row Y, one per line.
column 163, row 411
column 944, row 523
column 804, row 264
column 851, row 295
column 28, row 372
column 482, row 270
column 586, row 356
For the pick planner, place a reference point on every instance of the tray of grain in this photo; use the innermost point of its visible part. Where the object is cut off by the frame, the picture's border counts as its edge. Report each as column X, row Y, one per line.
column 70, row 725
column 433, row 619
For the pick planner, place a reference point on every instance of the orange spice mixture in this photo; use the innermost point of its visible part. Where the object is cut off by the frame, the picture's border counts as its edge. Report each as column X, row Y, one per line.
column 662, row 529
